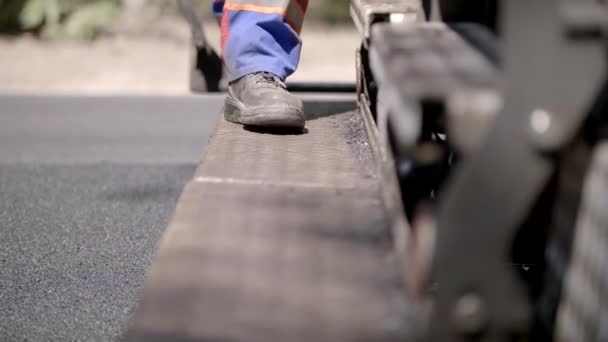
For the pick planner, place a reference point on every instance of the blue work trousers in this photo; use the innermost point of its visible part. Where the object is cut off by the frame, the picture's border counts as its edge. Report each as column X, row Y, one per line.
column 261, row 35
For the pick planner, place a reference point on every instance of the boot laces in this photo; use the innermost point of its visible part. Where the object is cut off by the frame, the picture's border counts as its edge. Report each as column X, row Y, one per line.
column 269, row 80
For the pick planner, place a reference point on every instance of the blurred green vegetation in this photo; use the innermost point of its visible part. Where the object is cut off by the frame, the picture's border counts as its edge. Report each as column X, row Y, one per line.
column 87, row 19
column 329, row 11
column 58, row 18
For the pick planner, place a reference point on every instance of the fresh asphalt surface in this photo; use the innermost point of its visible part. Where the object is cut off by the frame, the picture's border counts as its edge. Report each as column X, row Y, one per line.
column 87, row 186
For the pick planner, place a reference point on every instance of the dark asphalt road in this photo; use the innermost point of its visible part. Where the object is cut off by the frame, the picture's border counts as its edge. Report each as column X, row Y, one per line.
column 87, row 186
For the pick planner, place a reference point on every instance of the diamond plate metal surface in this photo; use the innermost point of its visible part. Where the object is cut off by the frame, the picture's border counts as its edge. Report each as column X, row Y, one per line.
column 331, row 153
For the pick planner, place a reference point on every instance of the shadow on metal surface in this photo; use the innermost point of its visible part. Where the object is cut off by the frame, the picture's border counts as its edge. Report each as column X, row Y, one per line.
column 276, row 130
column 318, row 106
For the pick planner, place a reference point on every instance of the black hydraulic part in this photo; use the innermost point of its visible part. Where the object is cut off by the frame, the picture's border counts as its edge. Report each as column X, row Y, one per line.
column 552, row 80
column 438, row 66
column 478, row 11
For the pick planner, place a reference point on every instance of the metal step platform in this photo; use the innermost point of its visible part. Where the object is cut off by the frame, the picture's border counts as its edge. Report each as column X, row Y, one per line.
column 278, row 237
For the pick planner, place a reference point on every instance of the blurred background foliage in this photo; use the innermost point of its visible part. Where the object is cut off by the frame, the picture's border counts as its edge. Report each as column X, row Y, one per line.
column 329, row 11
column 87, row 19
column 58, row 18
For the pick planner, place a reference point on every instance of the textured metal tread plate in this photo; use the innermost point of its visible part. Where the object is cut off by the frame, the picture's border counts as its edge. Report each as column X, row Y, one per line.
column 366, row 12
column 432, row 57
column 332, row 152
column 278, row 238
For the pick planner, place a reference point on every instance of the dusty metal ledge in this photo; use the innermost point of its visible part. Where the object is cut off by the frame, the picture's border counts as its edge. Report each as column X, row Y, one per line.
column 365, row 13
column 278, row 238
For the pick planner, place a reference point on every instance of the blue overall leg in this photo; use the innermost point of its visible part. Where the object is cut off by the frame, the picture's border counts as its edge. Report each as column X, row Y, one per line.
column 261, row 36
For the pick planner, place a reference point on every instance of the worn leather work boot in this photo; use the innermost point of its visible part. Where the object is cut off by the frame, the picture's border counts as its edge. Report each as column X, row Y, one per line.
column 261, row 99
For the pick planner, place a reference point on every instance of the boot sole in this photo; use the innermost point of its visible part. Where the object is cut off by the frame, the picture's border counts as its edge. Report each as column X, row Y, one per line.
column 273, row 117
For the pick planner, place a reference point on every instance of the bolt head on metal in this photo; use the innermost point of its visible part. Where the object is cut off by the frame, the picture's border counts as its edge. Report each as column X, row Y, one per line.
column 469, row 314
column 550, row 131
column 540, row 121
